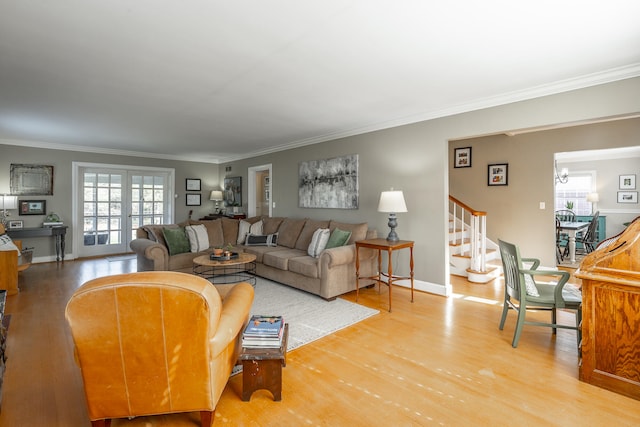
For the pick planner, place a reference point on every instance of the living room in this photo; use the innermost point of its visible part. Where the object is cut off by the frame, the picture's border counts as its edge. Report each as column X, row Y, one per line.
column 524, row 131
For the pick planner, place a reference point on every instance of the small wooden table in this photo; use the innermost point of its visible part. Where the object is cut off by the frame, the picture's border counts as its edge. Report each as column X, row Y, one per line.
column 262, row 368
column 384, row 245
column 224, row 272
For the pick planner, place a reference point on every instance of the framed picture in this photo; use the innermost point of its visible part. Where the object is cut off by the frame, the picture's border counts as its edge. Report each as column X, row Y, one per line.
column 462, row 157
column 193, row 199
column 32, row 207
column 233, row 191
column 498, row 174
column 31, row 180
column 193, row 184
column 627, row 182
column 627, row 197
column 15, row 224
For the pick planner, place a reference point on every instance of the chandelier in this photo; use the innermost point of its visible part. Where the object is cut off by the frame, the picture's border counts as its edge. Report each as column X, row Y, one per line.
column 563, row 176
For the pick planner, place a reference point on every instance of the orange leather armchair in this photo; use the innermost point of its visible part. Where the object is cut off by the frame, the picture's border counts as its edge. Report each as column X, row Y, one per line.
column 155, row 342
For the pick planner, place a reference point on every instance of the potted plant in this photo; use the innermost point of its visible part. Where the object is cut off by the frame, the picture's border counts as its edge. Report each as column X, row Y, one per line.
column 569, row 205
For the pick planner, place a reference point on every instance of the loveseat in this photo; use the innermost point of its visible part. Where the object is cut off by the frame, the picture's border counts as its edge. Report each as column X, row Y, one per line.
column 281, row 246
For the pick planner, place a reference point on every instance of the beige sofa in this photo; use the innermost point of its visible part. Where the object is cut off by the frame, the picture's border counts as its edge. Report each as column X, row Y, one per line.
column 331, row 274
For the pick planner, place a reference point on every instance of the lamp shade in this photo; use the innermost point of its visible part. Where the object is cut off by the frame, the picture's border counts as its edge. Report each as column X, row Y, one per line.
column 215, row 195
column 8, row 202
column 593, row 197
column 392, row 201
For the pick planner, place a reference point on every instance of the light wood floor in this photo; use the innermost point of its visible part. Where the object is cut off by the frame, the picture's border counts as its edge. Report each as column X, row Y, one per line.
column 438, row 361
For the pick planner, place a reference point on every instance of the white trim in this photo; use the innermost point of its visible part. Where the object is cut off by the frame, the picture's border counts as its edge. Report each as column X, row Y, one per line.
column 422, row 286
column 251, row 187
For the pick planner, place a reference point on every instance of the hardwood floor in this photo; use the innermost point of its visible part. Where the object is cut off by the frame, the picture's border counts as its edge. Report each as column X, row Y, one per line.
column 438, row 361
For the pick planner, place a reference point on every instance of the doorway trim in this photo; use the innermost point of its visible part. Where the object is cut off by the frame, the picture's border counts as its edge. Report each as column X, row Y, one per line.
column 251, row 188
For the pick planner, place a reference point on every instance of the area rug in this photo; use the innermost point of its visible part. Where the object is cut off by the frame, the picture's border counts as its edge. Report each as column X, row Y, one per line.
column 309, row 316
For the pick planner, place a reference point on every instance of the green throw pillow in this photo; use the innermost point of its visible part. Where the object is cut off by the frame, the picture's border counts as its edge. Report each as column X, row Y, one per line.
column 338, row 238
column 177, row 240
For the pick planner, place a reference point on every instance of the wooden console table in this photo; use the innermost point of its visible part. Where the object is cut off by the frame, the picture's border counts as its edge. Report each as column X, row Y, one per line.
column 58, row 233
column 384, row 245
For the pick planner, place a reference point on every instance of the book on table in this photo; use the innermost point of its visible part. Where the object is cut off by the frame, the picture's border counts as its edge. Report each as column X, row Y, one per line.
column 263, row 331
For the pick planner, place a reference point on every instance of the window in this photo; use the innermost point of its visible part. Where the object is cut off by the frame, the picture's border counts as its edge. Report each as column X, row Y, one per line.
column 575, row 191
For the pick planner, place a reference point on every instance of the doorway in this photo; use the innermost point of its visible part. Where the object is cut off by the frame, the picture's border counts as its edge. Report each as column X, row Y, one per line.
column 260, row 190
column 112, row 201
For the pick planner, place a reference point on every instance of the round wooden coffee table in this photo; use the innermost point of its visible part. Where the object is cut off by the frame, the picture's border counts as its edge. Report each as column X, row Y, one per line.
column 224, row 272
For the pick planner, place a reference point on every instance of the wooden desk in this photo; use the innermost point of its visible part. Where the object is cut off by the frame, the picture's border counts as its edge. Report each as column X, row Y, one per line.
column 58, row 233
column 572, row 228
column 384, row 245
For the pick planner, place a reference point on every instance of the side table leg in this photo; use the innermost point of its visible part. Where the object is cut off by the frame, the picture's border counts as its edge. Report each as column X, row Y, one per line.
column 390, row 278
column 357, row 272
column 411, row 267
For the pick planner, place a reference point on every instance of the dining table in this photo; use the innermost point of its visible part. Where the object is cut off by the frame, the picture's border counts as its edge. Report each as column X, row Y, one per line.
column 571, row 228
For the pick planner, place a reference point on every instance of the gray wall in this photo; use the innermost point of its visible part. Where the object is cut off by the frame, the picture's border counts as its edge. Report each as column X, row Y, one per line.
column 413, row 158
column 513, row 212
column 60, row 201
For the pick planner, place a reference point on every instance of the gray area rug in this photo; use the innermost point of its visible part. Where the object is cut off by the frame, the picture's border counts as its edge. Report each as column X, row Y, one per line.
column 309, row 316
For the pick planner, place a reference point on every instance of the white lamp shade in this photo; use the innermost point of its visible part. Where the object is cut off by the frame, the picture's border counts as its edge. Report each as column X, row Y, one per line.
column 215, row 195
column 9, row 202
column 392, row 201
column 593, row 197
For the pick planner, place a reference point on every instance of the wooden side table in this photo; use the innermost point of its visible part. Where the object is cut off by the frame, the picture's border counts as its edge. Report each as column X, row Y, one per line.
column 262, row 368
column 384, row 245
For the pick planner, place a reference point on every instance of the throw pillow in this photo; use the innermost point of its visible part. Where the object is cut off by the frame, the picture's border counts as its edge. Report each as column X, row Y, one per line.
column 261, row 240
column 338, row 238
column 318, row 242
column 532, row 290
column 177, row 241
column 198, row 237
column 245, row 228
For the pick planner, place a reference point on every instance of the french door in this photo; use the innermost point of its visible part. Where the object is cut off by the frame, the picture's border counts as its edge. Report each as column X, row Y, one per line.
column 112, row 202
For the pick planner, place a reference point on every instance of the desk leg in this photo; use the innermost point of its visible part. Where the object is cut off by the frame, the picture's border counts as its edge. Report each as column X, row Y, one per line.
column 58, row 239
column 572, row 245
column 390, row 278
column 62, row 244
column 357, row 272
column 411, row 267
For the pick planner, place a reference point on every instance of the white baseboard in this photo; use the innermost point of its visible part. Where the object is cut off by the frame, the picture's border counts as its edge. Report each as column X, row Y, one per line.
column 419, row 285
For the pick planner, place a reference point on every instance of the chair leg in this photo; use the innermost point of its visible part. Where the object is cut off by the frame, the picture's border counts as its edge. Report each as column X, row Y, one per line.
column 554, row 320
column 207, row 418
column 505, row 310
column 519, row 325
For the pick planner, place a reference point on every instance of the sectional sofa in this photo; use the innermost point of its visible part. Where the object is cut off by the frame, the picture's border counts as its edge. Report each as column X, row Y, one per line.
column 329, row 274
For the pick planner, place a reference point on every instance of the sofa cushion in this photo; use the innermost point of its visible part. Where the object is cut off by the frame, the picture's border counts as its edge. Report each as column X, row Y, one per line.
column 280, row 259
column 245, row 228
column 310, row 227
column 338, row 238
column 177, row 241
column 229, row 230
column 198, row 237
column 259, row 251
column 358, row 231
column 155, row 234
column 318, row 242
column 305, row 265
column 214, row 232
column 261, row 240
column 271, row 225
column 289, row 231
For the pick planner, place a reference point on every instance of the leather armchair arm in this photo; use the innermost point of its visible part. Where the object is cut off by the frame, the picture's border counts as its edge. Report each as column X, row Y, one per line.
column 235, row 313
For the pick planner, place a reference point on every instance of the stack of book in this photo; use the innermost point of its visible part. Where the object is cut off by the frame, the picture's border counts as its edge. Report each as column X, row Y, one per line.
column 263, row 332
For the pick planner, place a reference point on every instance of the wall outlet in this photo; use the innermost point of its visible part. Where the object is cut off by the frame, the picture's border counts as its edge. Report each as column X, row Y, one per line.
column 542, row 205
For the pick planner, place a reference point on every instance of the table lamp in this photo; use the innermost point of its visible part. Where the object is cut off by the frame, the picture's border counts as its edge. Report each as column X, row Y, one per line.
column 216, row 196
column 392, row 202
column 593, row 198
column 8, row 202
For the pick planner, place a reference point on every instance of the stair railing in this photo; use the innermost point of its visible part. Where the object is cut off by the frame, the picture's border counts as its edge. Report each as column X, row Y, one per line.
column 465, row 218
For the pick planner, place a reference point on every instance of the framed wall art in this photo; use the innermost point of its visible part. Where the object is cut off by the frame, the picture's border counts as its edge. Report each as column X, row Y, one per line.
column 233, row 191
column 193, row 184
column 627, row 182
column 15, row 224
column 329, row 183
column 32, row 207
column 462, row 157
column 31, row 180
column 498, row 174
column 627, row 197
column 193, row 199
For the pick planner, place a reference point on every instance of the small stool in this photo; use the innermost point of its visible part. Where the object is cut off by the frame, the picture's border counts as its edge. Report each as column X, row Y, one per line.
column 262, row 368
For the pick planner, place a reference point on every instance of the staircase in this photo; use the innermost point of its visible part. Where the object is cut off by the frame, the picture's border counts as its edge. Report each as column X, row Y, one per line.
column 471, row 254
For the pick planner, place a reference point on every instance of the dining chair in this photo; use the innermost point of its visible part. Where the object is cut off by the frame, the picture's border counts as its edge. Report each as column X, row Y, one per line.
column 522, row 292
column 561, row 243
column 589, row 238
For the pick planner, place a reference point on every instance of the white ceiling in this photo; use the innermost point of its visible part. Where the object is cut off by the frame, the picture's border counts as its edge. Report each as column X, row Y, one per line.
column 213, row 80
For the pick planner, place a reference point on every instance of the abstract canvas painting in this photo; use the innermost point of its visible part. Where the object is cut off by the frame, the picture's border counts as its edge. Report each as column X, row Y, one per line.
column 329, row 183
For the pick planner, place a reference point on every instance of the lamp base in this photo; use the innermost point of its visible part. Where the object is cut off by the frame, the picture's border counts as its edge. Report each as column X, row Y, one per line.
column 393, row 223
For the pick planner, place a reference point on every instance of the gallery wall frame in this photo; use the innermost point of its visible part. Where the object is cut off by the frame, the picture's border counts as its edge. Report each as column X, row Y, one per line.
column 462, row 157
column 627, row 197
column 233, row 191
column 627, row 182
column 193, row 184
column 16, row 224
column 32, row 207
column 31, row 180
column 329, row 183
column 498, row 174
column 193, row 199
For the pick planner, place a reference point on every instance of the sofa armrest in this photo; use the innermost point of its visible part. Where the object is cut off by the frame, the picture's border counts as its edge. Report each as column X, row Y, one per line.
column 338, row 256
column 236, row 307
column 152, row 256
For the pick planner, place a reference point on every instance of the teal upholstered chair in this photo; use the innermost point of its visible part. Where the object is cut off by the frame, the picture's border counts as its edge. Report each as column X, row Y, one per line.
column 522, row 292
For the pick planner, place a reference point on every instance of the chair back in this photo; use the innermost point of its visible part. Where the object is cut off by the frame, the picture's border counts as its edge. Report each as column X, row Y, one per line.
column 142, row 341
column 565, row 215
column 511, row 265
column 590, row 234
